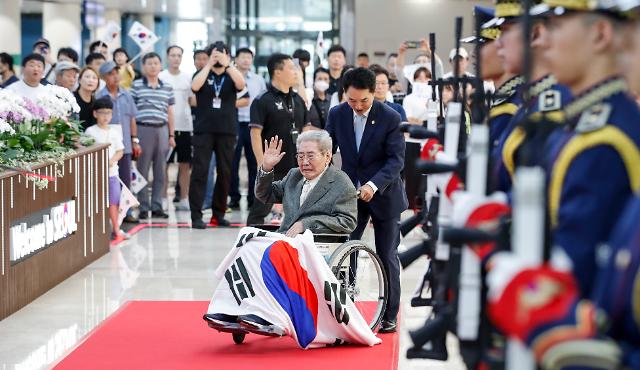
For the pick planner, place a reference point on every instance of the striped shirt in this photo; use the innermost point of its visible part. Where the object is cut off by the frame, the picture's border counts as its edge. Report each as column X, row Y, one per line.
column 152, row 103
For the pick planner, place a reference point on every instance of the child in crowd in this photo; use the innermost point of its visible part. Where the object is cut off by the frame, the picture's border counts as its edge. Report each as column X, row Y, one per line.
column 102, row 132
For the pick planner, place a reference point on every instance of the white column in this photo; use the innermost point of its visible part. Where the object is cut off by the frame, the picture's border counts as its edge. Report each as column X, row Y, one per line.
column 10, row 28
column 61, row 25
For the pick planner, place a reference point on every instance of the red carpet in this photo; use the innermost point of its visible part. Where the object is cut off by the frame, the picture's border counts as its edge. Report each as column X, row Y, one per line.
column 172, row 335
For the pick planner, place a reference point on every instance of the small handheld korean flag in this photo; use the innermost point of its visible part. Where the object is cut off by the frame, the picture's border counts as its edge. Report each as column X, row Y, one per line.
column 127, row 200
column 111, row 32
column 320, row 47
column 137, row 181
column 142, row 36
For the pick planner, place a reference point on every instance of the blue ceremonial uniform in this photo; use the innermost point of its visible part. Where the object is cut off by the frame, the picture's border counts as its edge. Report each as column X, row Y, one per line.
column 545, row 96
column 593, row 168
column 503, row 107
column 617, row 285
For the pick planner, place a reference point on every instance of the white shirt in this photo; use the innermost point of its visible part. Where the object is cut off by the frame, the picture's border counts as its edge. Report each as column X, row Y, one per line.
column 181, row 84
column 366, row 117
column 256, row 86
column 415, row 106
column 22, row 89
column 112, row 134
column 308, row 185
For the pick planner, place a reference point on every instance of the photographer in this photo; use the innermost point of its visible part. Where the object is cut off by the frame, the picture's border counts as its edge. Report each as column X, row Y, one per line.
column 215, row 86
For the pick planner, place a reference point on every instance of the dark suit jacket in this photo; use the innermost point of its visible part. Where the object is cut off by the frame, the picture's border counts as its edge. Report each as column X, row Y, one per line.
column 381, row 155
column 331, row 206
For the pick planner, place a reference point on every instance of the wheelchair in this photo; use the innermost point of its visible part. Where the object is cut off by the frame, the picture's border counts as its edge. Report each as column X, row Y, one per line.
column 359, row 271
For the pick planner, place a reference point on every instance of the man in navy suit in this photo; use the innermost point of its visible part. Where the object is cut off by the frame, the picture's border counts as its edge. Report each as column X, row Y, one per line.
column 372, row 150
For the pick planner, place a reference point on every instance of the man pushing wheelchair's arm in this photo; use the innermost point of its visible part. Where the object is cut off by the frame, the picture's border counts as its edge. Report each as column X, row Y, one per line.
column 315, row 195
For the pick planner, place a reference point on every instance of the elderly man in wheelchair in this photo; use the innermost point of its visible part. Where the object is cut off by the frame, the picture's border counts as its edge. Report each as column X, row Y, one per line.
column 311, row 283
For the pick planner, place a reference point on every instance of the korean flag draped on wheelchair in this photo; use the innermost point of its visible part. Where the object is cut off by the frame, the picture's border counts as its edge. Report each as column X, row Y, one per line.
column 287, row 282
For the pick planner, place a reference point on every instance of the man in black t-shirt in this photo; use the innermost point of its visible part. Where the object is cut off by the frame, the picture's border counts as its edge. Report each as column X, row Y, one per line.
column 337, row 57
column 214, row 129
column 278, row 111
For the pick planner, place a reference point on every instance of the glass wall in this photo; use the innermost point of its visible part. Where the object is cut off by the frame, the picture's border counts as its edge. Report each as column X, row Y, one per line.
column 270, row 26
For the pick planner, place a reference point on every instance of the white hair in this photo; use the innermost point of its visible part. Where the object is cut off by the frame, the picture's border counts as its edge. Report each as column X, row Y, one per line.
column 319, row 136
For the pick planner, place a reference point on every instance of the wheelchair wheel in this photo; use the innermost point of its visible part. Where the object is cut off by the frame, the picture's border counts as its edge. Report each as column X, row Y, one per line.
column 361, row 274
column 238, row 338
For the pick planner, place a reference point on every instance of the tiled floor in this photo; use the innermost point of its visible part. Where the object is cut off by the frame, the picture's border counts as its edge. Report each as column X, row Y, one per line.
column 156, row 264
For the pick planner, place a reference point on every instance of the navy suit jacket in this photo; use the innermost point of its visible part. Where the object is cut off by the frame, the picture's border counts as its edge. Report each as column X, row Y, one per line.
column 380, row 159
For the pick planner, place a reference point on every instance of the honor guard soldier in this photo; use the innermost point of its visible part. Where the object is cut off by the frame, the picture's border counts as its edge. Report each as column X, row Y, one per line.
column 593, row 162
column 542, row 100
column 584, row 315
column 504, row 100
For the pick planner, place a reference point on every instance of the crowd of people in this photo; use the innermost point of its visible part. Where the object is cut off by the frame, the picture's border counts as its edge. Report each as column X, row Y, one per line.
column 208, row 121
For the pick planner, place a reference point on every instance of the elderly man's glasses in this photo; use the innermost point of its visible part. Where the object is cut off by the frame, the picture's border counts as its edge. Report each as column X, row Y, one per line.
column 310, row 156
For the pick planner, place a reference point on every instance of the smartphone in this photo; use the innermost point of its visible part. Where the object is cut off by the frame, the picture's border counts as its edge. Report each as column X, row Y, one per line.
column 412, row 44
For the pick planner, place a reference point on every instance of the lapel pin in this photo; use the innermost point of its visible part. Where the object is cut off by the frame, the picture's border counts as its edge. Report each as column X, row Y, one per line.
column 373, row 122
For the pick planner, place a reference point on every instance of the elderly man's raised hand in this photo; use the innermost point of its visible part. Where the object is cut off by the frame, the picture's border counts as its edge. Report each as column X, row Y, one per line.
column 272, row 153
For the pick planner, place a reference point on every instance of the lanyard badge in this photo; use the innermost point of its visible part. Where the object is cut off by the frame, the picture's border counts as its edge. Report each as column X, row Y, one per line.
column 217, row 101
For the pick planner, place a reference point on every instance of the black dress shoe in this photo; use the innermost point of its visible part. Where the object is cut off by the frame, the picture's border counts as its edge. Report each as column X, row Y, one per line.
column 258, row 325
column 388, row 326
column 198, row 224
column 159, row 214
column 224, row 323
column 143, row 215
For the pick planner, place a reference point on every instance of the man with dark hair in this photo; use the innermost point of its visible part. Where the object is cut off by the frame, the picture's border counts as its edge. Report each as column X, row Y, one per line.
column 43, row 47
column 337, row 57
column 181, row 83
column 382, row 90
column 155, row 123
column 31, row 84
column 255, row 86
column 68, row 54
column 6, row 70
column 394, row 85
column 281, row 112
column 216, row 86
column 100, row 47
column 200, row 58
column 94, row 60
column 372, row 147
column 362, row 60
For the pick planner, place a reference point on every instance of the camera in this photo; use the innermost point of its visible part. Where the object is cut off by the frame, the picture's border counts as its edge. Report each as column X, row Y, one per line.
column 412, row 44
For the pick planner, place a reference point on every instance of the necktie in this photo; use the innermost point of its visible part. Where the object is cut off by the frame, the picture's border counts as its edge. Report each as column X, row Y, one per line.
column 305, row 191
column 359, row 123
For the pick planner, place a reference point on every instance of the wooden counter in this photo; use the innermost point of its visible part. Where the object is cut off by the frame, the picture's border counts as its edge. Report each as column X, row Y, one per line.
column 39, row 247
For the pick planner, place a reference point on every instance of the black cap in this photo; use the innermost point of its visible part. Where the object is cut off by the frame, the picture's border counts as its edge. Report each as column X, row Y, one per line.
column 42, row 40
